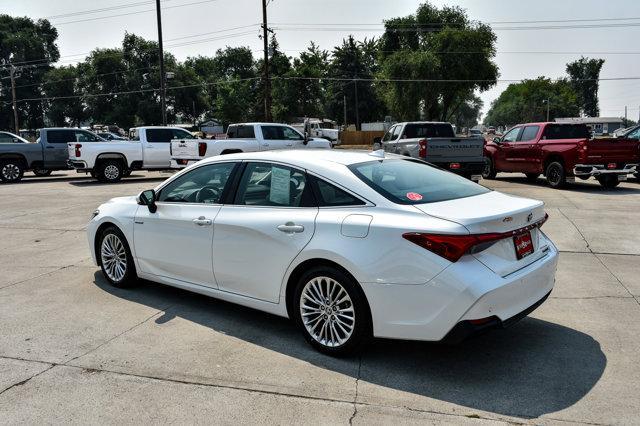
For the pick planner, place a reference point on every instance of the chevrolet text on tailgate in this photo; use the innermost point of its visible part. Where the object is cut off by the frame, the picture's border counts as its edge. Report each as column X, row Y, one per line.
column 562, row 152
column 436, row 143
column 245, row 137
column 147, row 149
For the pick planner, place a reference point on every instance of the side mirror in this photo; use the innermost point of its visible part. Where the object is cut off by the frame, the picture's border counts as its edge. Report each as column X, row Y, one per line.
column 497, row 140
column 148, row 198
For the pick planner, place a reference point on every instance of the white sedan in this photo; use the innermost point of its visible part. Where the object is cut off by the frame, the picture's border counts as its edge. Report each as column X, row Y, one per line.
column 348, row 244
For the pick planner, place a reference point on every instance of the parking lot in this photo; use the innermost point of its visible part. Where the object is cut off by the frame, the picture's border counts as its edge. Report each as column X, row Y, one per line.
column 74, row 349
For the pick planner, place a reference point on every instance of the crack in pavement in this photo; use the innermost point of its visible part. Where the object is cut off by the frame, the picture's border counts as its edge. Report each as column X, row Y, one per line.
column 355, row 398
column 77, row 264
column 22, row 382
column 598, row 257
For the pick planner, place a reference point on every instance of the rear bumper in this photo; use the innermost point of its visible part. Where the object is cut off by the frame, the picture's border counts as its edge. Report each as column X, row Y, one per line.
column 601, row 169
column 182, row 163
column 77, row 164
column 467, row 290
column 462, row 168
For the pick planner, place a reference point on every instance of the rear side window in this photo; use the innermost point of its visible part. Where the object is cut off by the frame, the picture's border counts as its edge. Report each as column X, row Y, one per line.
column 159, row 135
column 246, row 132
column 273, row 185
column 414, row 182
column 566, row 131
column 60, row 136
column 428, row 130
column 529, row 133
column 331, row 196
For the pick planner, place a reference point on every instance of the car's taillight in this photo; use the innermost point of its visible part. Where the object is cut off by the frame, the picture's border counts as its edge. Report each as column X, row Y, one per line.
column 582, row 150
column 454, row 166
column 611, row 166
column 78, row 146
column 453, row 247
column 202, row 148
column 423, row 148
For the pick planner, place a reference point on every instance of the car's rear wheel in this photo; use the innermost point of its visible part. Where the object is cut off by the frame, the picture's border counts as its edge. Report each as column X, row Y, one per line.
column 489, row 171
column 555, row 175
column 332, row 311
column 110, row 171
column 532, row 177
column 11, row 170
column 41, row 172
column 116, row 261
column 608, row 181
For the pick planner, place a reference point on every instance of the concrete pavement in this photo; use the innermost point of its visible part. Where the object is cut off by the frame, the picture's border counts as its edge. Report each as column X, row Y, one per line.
column 75, row 350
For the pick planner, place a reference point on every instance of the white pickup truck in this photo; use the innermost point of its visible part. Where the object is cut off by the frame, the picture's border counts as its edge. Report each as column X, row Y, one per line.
column 148, row 148
column 245, row 137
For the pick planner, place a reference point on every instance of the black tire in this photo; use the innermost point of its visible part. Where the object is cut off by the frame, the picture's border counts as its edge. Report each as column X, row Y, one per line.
column 126, row 173
column 110, row 171
column 608, row 181
column 11, row 171
column 41, row 172
column 555, row 175
column 489, row 172
column 532, row 177
column 360, row 326
column 637, row 176
column 111, row 273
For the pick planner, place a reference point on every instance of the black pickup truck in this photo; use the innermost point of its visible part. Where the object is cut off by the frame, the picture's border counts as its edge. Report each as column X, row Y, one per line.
column 48, row 153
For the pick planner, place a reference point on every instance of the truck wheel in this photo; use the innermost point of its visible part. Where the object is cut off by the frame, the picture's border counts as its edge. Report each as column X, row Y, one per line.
column 555, row 175
column 489, row 172
column 532, row 177
column 41, row 172
column 608, row 181
column 11, row 171
column 110, row 171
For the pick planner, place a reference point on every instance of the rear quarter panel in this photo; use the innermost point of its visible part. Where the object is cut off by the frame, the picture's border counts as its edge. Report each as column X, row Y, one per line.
column 31, row 152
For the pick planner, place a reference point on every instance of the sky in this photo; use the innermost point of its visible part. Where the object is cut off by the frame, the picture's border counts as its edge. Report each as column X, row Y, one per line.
column 219, row 23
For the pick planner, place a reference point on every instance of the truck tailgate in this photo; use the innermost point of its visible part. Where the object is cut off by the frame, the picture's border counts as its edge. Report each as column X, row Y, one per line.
column 454, row 149
column 185, row 149
column 612, row 151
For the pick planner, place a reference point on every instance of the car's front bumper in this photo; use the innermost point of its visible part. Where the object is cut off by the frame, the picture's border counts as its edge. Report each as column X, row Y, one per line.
column 466, row 290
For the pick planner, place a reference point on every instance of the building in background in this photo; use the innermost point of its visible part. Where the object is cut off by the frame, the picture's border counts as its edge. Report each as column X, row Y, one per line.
column 599, row 125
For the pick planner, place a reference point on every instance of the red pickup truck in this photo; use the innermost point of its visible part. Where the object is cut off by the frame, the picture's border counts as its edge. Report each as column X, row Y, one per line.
column 561, row 152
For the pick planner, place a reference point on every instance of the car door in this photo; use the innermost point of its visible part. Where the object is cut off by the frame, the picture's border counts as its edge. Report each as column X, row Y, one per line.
column 256, row 238
column 524, row 157
column 503, row 159
column 273, row 137
column 292, row 139
column 176, row 240
column 56, row 151
column 389, row 138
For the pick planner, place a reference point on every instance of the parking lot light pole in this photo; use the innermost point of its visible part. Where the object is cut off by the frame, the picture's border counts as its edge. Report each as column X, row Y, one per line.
column 546, row 101
column 163, row 93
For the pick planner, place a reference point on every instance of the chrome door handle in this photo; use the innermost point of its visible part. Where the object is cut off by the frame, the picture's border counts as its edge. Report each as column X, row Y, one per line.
column 290, row 228
column 265, row 144
column 202, row 221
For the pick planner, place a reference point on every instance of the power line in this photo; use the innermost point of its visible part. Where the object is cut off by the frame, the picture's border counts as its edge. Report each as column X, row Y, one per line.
column 103, row 9
column 437, row 28
column 456, row 24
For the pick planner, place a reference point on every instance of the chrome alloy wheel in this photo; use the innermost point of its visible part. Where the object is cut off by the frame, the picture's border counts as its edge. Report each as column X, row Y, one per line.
column 114, row 257
column 10, row 171
column 327, row 311
column 111, row 172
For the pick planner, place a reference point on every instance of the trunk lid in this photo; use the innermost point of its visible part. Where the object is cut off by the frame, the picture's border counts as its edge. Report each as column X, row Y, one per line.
column 495, row 212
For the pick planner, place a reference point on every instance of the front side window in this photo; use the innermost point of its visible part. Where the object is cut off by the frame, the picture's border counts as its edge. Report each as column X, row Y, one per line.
column 512, row 135
column 273, row 185
column 414, row 182
column 9, row 138
column 82, row 136
column 201, row 185
column 387, row 136
column 290, row 134
column 529, row 133
column 182, row 134
column 634, row 134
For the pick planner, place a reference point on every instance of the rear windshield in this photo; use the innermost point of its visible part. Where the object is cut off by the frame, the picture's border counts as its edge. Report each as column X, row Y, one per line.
column 566, row 131
column 414, row 182
column 428, row 130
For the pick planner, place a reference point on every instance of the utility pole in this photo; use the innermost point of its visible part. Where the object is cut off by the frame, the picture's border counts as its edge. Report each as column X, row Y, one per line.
column 625, row 116
column 546, row 101
column 344, row 107
column 267, row 81
column 163, row 92
column 12, row 73
column 355, row 84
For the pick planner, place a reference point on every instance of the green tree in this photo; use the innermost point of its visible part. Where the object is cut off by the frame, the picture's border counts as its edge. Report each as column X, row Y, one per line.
column 307, row 93
column 279, row 69
column 352, row 68
column 435, row 44
column 234, row 78
column 583, row 75
column 526, row 102
column 468, row 114
column 65, row 106
column 31, row 45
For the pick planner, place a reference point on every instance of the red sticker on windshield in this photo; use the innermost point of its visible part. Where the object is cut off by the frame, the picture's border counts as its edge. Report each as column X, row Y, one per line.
column 414, row 196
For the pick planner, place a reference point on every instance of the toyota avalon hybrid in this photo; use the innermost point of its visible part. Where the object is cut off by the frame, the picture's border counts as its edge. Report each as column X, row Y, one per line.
column 347, row 244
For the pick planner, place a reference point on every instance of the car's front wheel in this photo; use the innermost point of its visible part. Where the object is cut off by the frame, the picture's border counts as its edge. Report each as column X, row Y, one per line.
column 116, row 261
column 332, row 311
column 489, row 171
